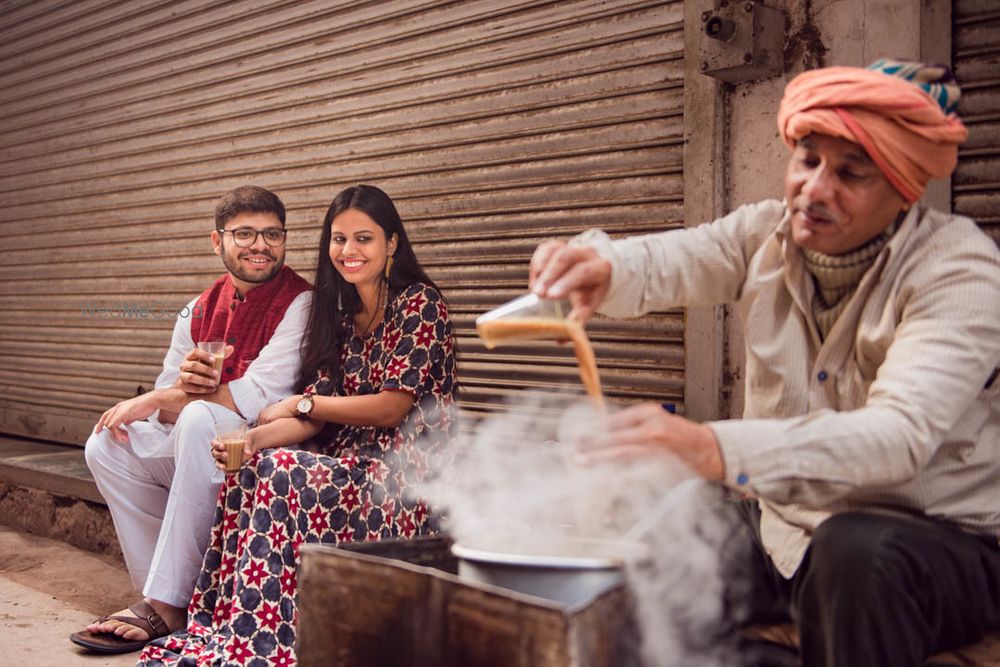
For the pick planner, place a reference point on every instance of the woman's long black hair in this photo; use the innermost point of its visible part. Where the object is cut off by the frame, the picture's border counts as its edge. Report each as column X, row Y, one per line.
column 321, row 343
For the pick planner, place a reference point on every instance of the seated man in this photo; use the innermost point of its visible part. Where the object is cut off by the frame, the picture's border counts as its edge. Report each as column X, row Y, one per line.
column 871, row 430
column 151, row 455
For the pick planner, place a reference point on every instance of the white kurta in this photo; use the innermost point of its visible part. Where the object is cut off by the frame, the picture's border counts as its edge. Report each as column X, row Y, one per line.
column 162, row 487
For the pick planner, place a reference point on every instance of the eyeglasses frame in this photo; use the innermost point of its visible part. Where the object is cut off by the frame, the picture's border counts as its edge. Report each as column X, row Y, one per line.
column 257, row 234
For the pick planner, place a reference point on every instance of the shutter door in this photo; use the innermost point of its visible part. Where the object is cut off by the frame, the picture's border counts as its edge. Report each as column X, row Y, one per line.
column 494, row 125
column 976, row 182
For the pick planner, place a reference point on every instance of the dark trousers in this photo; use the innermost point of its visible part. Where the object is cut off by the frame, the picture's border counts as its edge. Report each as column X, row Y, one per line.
column 877, row 590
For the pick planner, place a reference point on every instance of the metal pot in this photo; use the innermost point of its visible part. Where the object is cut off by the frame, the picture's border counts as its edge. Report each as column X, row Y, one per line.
column 571, row 571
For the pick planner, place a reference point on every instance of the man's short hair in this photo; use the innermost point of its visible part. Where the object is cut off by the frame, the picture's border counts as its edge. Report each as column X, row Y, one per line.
column 248, row 199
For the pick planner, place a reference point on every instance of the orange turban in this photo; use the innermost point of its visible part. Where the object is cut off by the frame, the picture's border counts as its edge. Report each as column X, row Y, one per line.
column 902, row 128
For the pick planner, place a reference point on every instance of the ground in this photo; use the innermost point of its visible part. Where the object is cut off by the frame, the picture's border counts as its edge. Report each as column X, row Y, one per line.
column 48, row 590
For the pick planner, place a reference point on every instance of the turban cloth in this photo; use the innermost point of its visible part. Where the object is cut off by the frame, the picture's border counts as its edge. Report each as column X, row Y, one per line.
column 901, row 113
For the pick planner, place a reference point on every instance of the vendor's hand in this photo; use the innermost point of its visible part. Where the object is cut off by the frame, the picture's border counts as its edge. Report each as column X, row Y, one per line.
column 126, row 412
column 198, row 374
column 221, row 456
column 283, row 408
column 559, row 270
column 647, row 430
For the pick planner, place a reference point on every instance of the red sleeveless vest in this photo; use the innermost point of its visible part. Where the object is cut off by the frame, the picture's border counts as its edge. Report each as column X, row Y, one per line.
column 247, row 325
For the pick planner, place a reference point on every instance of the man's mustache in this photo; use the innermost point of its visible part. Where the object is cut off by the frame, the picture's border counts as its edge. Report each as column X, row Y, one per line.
column 817, row 210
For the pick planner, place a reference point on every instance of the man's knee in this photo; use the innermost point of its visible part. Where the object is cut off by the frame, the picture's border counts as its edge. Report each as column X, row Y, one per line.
column 195, row 429
column 195, row 426
column 96, row 450
column 856, row 551
column 845, row 542
column 196, row 414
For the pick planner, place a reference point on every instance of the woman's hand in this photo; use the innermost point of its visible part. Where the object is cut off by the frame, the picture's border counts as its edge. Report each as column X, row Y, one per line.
column 648, row 430
column 284, row 408
column 559, row 270
column 221, row 456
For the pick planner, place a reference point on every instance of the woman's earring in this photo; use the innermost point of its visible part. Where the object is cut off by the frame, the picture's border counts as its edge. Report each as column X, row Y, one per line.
column 388, row 265
column 340, row 301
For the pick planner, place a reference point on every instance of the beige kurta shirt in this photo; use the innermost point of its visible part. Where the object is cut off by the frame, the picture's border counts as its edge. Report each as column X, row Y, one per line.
column 894, row 411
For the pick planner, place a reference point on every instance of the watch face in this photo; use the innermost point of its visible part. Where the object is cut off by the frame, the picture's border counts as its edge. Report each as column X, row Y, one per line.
column 305, row 405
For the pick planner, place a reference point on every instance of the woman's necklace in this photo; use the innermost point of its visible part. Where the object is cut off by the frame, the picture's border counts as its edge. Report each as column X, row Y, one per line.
column 379, row 308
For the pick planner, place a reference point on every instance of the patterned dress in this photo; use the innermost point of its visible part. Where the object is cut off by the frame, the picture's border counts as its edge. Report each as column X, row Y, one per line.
column 243, row 610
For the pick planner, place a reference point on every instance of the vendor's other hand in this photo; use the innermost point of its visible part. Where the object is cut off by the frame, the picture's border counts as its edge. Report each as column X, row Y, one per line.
column 649, row 430
column 126, row 412
column 221, row 456
column 280, row 410
column 558, row 271
column 198, row 374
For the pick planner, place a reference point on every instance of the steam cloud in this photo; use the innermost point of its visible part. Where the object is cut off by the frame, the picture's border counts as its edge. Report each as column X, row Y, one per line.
column 520, row 484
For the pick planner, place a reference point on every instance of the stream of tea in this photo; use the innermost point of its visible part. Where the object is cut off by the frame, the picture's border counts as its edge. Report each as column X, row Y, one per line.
column 534, row 328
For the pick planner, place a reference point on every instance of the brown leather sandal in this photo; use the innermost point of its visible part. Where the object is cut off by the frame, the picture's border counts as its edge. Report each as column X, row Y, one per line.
column 108, row 642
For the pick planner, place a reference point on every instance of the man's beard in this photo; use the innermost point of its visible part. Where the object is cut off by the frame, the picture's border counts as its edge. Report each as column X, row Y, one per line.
column 236, row 268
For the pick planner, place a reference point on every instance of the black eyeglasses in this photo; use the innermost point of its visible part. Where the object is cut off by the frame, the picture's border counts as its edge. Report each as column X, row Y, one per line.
column 244, row 237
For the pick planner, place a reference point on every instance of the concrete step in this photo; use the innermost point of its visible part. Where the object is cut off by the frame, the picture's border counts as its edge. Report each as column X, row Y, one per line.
column 47, row 490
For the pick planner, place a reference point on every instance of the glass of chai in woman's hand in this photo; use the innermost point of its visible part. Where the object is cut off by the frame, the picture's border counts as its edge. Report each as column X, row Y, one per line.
column 232, row 433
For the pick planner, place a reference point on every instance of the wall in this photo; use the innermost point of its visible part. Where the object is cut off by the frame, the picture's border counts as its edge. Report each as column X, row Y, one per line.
column 494, row 124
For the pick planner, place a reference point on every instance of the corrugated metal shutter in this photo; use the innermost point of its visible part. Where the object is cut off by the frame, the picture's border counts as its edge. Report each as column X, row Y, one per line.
column 976, row 41
column 492, row 124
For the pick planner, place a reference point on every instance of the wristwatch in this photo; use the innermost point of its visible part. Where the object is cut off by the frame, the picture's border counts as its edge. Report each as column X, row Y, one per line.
column 304, row 406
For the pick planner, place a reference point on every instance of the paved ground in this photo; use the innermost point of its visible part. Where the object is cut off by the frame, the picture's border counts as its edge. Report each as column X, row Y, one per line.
column 49, row 590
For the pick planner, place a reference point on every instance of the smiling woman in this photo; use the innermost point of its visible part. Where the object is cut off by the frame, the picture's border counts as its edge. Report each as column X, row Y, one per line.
column 361, row 254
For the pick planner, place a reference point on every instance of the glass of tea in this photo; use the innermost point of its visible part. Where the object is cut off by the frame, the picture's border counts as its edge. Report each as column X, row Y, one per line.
column 217, row 349
column 527, row 317
column 530, row 317
column 232, row 433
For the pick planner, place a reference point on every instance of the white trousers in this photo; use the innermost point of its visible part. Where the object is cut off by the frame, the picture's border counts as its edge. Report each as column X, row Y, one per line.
column 162, row 507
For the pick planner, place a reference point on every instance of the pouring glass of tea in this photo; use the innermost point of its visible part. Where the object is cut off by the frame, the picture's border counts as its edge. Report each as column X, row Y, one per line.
column 529, row 317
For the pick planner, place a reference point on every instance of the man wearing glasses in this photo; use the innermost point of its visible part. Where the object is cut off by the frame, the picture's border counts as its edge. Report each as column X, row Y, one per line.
column 150, row 455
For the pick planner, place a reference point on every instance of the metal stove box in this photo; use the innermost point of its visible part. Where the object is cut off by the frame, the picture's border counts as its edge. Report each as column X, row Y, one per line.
column 399, row 603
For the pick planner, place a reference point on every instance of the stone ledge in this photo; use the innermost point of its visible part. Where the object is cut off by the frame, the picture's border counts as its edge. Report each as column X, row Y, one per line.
column 78, row 522
column 58, row 469
column 47, row 490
